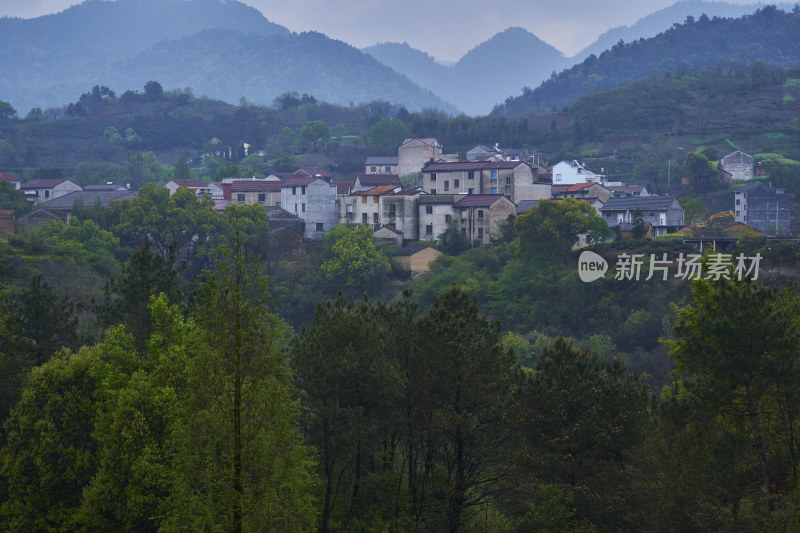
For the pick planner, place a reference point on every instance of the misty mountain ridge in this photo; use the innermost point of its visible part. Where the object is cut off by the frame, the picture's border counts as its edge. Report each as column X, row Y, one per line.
column 512, row 58
column 228, row 50
column 332, row 71
column 540, row 59
column 50, row 60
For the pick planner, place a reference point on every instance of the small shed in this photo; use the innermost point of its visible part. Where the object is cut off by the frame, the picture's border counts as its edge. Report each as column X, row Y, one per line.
column 415, row 257
column 389, row 235
column 38, row 218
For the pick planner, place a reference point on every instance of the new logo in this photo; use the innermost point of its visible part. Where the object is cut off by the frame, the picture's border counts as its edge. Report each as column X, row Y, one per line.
column 591, row 266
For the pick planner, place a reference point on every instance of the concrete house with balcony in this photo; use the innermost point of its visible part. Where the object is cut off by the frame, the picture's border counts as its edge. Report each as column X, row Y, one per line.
column 765, row 209
column 313, row 200
column 40, row 191
column 478, row 215
column 664, row 213
column 515, row 180
column 381, row 206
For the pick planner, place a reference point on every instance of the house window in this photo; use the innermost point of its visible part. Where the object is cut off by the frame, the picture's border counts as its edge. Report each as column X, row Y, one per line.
column 349, row 208
column 429, row 229
column 508, row 197
column 364, row 219
column 320, row 226
column 363, row 199
column 433, row 176
column 456, row 183
column 558, row 177
column 508, row 180
column 480, row 233
column 471, row 175
column 303, row 207
column 47, row 194
column 240, row 197
column 303, row 189
column 373, row 170
column 494, row 174
column 392, row 208
column 433, row 191
column 375, row 218
column 262, row 197
column 494, row 190
column 447, row 219
column 277, row 204
column 471, row 191
column 738, row 201
column 480, row 214
column 302, row 227
column 428, row 209
column 295, row 208
column 374, row 199
column 294, row 190
column 447, row 185
column 388, row 170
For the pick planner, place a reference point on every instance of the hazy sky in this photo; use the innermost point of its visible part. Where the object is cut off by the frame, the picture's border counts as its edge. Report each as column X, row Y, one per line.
column 445, row 29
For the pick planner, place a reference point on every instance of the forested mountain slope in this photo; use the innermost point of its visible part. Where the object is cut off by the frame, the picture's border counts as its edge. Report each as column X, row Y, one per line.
column 769, row 36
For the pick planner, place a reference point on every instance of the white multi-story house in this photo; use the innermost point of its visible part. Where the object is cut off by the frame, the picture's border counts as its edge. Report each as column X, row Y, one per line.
column 313, row 200
column 572, row 172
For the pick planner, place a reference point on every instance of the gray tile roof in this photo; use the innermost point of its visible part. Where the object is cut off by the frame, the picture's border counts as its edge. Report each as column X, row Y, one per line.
column 479, row 200
column 381, row 160
column 67, row 201
column 644, row 203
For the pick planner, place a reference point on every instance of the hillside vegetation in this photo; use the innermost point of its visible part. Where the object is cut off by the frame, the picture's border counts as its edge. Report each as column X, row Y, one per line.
column 768, row 36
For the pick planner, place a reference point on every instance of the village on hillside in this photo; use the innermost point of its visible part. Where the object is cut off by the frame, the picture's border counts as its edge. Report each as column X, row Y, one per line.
column 411, row 200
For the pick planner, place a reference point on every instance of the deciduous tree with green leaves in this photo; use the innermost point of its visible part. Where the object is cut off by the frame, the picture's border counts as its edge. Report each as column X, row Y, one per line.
column 357, row 261
column 736, row 349
column 552, row 228
column 240, row 457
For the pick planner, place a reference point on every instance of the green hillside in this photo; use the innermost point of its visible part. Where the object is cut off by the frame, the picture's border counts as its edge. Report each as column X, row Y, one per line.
column 769, row 36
